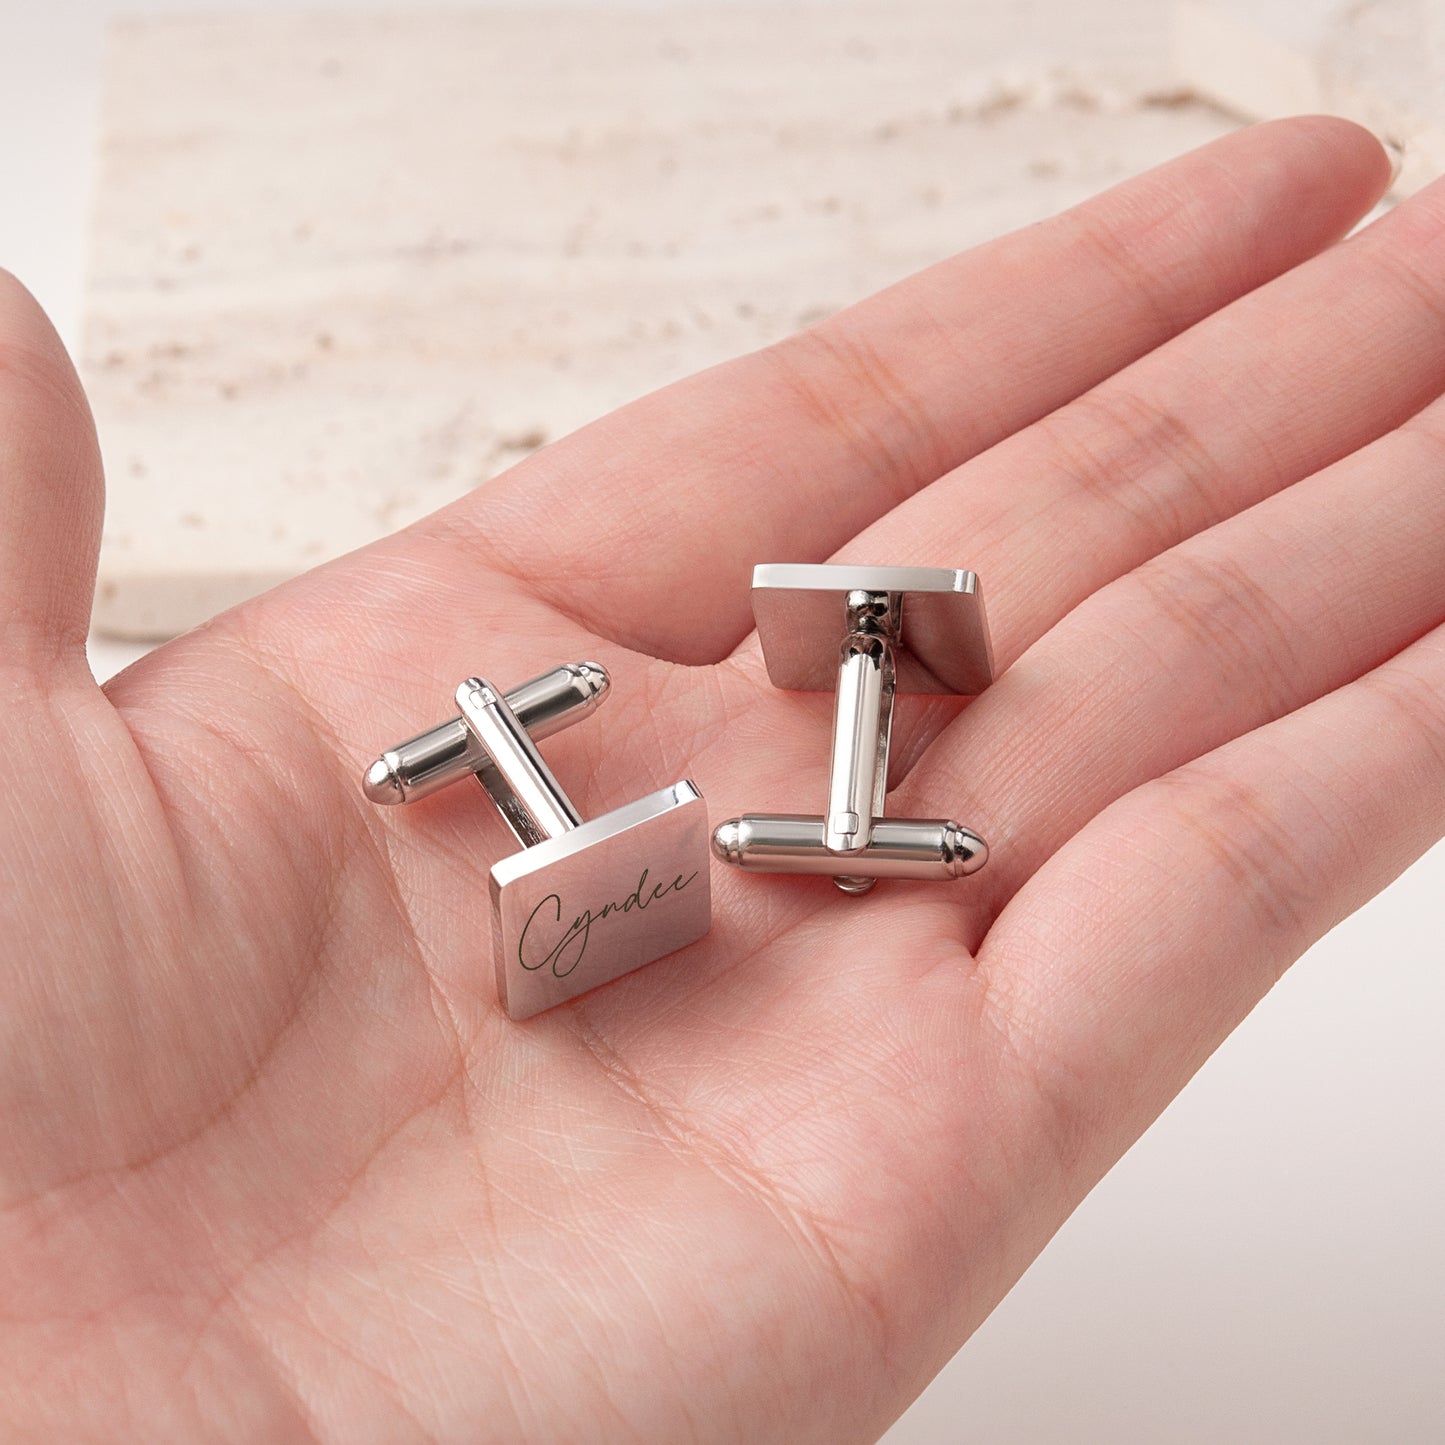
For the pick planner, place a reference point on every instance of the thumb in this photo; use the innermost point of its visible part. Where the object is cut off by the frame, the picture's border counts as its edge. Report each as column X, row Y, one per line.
column 51, row 491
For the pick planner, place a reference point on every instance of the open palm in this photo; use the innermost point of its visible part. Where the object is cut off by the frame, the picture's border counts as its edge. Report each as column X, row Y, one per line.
column 272, row 1163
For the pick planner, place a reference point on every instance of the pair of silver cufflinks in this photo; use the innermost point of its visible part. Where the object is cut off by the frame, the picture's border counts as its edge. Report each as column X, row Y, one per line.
column 586, row 902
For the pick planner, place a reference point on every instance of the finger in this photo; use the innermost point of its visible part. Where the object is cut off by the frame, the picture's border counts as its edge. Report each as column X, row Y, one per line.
column 791, row 451
column 1283, row 382
column 1237, row 626
column 50, row 488
column 1134, row 952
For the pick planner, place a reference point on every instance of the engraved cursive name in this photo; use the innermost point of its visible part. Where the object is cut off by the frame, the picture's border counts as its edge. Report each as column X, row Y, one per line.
column 564, row 953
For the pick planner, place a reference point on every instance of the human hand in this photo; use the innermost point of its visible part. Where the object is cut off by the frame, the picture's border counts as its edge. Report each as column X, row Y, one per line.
column 272, row 1163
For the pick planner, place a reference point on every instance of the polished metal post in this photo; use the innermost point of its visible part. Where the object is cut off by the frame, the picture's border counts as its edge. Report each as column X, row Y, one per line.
column 430, row 761
column 862, row 725
column 524, row 790
column 860, row 741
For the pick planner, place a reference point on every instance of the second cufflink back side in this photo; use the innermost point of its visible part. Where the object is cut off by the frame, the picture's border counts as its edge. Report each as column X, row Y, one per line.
column 868, row 633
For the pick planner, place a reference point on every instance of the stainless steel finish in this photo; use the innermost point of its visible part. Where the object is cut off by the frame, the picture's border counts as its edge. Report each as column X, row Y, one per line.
column 902, row 629
column 430, row 761
column 926, row 848
column 524, row 790
column 584, row 902
column 608, row 897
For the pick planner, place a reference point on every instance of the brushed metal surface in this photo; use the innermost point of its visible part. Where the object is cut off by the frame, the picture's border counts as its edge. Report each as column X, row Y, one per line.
column 802, row 614
column 605, row 898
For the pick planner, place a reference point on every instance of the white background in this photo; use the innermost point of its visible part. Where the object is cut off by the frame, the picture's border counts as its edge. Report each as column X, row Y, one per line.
column 1267, row 1264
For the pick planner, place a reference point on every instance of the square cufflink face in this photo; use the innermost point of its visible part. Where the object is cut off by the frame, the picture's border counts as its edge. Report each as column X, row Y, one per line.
column 617, row 892
column 801, row 611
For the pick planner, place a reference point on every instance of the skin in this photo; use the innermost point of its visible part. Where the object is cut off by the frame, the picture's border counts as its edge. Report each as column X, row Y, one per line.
column 273, row 1165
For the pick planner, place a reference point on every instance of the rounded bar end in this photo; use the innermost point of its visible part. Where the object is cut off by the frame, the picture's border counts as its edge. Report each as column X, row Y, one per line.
column 964, row 852
column 728, row 841
column 381, row 783
column 594, row 679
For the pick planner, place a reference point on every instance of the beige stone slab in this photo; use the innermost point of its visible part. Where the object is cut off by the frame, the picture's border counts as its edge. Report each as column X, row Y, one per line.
column 346, row 267
column 1380, row 62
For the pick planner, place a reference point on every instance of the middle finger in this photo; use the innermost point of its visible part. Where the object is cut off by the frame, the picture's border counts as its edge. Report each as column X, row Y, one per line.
column 1231, row 629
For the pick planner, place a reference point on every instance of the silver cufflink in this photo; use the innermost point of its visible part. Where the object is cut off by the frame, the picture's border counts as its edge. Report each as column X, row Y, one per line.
column 868, row 632
column 584, row 902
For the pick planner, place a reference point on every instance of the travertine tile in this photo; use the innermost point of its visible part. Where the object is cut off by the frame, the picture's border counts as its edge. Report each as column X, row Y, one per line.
column 1381, row 62
column 346, row 267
